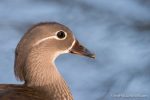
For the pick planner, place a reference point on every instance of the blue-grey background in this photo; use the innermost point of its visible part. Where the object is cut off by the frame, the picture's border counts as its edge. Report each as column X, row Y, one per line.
column 117, row 31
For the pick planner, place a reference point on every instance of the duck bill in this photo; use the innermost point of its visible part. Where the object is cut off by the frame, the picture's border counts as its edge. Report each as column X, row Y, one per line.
column 78, row 49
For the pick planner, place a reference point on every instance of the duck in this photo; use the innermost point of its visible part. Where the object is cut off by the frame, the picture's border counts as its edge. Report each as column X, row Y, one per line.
column 34, row 64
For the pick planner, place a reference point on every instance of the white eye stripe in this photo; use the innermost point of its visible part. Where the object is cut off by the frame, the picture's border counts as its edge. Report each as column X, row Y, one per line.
column 58, row 53
column 44, row 39
column 51, row 37
column 54, row 37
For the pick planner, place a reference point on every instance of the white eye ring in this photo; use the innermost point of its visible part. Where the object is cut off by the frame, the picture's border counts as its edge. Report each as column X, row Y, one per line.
column 61, row 35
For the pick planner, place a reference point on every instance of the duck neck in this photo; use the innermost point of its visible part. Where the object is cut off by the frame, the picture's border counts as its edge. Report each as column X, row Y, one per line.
column 42, row 72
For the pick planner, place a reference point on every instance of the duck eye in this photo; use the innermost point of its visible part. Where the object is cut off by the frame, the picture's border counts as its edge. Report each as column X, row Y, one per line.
column 61, row 34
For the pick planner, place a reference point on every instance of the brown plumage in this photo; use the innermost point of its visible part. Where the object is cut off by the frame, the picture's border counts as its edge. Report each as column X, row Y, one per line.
column 34, row 63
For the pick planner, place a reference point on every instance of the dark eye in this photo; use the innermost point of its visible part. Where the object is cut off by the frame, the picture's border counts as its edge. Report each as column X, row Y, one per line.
column 61, row 34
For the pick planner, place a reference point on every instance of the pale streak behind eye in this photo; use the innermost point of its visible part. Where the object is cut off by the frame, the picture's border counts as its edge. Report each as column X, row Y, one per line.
column 60, row 52
column 44, row 39
column 54, row 37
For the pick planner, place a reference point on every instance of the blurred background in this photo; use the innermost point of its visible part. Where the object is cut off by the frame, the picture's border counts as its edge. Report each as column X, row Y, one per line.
column 117, row 31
